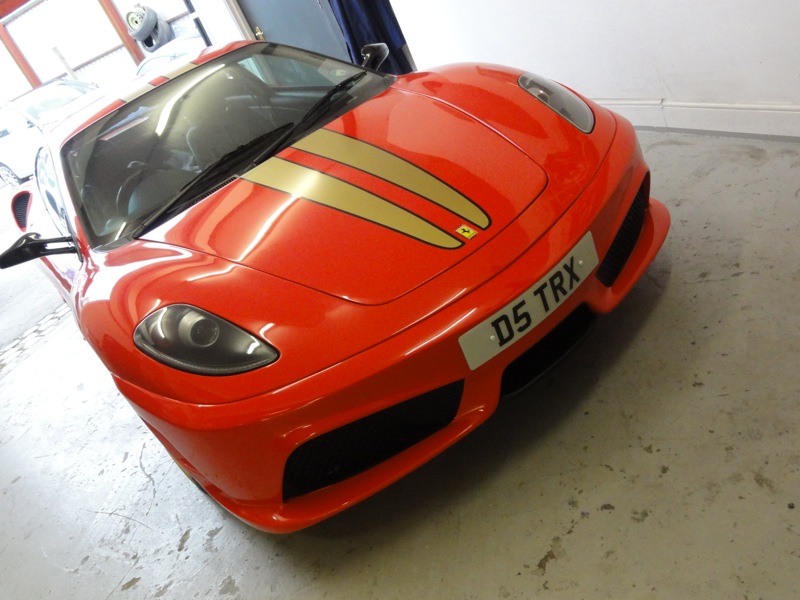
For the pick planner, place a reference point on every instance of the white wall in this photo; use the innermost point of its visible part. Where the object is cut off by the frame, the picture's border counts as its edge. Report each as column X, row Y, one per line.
column 727, row 65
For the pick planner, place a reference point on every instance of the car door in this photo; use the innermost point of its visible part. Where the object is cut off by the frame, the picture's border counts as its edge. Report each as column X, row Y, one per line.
column 308, row 24
column 49, row 219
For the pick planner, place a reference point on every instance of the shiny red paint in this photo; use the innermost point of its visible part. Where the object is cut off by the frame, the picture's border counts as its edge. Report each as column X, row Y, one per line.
column 364, row 318
column 334, row 250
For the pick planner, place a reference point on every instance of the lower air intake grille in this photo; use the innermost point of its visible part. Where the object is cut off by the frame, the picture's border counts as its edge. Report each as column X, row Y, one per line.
column 334, row 456
column 545, row 354
column 627, row 236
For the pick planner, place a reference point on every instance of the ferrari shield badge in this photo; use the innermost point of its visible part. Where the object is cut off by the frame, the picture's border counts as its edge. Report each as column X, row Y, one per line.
column 467, row 232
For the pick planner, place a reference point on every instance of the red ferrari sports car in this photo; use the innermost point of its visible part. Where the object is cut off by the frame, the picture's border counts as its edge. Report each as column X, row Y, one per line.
column 310, row 277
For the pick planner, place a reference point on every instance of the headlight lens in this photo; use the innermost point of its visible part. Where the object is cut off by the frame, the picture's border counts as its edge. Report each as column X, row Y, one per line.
column 191, row 339
column 560, row 99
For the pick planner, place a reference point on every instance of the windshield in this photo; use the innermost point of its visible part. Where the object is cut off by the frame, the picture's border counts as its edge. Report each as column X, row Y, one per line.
column 131, row 165
column 43, row 103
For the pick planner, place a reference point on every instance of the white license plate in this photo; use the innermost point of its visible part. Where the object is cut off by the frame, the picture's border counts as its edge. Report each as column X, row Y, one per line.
column 521, row 316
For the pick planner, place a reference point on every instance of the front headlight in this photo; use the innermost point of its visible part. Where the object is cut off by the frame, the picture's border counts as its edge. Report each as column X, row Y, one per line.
column 560, row 99
column 193, row 340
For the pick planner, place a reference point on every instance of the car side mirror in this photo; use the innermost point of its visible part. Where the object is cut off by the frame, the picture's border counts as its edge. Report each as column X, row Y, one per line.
column 373, row 55
column 31, row 245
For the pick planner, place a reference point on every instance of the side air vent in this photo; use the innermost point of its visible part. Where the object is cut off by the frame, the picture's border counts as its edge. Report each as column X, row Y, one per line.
column 626, row 238
column 19, row 207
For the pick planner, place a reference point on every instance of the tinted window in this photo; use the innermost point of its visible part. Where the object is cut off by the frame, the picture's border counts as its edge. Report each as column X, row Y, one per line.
column 50, row 98
column 47, row 183
column 12, row 122
column 127, row 166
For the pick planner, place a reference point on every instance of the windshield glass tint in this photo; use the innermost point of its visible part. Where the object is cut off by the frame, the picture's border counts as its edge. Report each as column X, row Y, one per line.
column 125, row 167
column 46, row 100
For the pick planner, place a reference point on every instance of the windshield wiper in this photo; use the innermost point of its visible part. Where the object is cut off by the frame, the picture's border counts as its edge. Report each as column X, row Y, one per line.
column 224, row 165
column 319, row 108
column 216, row 171
column 322, row 105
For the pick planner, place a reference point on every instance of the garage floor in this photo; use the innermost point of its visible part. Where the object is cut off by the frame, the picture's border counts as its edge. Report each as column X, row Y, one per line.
column 661, row 460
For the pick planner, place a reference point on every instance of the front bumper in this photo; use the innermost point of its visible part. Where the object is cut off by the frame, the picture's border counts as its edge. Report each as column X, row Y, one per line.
column 368, row 421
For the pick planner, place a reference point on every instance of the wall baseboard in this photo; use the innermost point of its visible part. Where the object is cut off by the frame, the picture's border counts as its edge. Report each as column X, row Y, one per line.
column 781, row 120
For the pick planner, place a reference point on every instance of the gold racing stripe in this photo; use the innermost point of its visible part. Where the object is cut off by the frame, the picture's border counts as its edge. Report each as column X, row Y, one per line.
column 302, row 182
column 385, row 165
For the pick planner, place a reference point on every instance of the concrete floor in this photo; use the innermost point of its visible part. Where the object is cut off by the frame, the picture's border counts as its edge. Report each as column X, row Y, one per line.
column 26, row 294
column 661, row 460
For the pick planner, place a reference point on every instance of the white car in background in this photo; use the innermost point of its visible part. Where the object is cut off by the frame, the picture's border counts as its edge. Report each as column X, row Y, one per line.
column 170, row 55
column 23, row 121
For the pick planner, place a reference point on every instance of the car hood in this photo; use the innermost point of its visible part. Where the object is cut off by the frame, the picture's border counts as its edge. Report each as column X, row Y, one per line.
column 372, row 206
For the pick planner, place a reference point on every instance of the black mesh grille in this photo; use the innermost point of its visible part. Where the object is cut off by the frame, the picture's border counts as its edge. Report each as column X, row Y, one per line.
column 19, row 206
column 625, row 241
column 547, row 352
column 334, row 456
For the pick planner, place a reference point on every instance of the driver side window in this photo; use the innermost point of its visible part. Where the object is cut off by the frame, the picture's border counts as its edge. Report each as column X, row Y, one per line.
column 47, row 184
